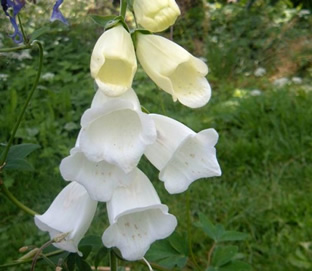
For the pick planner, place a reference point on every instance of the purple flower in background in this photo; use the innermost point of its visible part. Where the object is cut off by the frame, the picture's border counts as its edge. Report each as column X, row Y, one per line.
column 57, row 14
column 16, row 6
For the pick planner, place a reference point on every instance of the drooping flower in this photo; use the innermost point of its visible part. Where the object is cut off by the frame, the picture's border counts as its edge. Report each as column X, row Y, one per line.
column 16, row 6
column 137, row 219
column 116, row 132
column 174, row 69
column 57, row 14
column 181, row 155
column 71, row 212
column 156, row 15
column 98, row 178
column 113, row 62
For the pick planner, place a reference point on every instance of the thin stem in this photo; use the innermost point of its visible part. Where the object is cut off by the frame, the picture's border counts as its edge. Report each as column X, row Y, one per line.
column 154, row 266
column 5, row 266
column 22, row 30
column 11, row 197
column 113, row 261
column 189, row 230
column 7, row 50
column 210, row 253
column 123, row 8
column 30, row 94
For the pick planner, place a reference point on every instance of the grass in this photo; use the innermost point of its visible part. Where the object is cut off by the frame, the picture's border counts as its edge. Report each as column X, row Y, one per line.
column 264, row 151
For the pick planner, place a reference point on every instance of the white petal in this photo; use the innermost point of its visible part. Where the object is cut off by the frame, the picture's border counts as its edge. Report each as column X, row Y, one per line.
column 100, row 99
column 174, row 70
column 137, row 218
column 113, row 62
column 116, row 134
column 195, row 158
column 71, row 212
column 170, row 134
column 133, row 233
column 98, row 178
column 156, row 15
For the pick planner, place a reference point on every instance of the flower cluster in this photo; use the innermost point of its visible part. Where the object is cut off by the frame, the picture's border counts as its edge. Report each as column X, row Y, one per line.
column 115, row 133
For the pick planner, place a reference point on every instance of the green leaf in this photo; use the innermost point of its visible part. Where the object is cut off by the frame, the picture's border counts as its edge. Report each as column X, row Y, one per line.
column 223, row 255
column 179, row 243
column 166, row 255
column 39, row 32
column 82, row 265
column 211, row 268
column 102, row 20
column 214, row 232
column 233, row 236
column 100, row 256
column 18, row 164
column 236, row 266
column 91, row 240
column 21, row 151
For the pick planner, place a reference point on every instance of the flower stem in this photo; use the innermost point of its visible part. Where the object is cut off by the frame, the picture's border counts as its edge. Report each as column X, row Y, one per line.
column 53, row 253
column 189, row 230
column 26, row 42
column 11, row 197
column 113, row 261
column 210, row 252
column 30, row 94
column 123, row 8
column 19, row 48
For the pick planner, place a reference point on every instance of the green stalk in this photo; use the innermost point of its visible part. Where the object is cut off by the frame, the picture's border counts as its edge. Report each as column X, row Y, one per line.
column 53, row 253
column 189, row 230
column 7, row 50
column 26, row 42
column 30, row 94
column 113, row 261
column 14, row 200
column 123, row 8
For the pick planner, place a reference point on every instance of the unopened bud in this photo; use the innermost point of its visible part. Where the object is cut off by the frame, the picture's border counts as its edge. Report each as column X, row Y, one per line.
column 29, row 255
column 23, row 249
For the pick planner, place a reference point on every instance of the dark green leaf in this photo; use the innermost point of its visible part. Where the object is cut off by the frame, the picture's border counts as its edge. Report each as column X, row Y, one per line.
column 223, row 255
column 21, row 151
column 19, row 164
column 233, row 236
column 102, row 20
column 166, row 255
column 211, row 268
column 71, row 261
column 236, row 266
column 91, row 240
column 82, row 265
column 100, row 256
column 179, row 243
column 39, row 32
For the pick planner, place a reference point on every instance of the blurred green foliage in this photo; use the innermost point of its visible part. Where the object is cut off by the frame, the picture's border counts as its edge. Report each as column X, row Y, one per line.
column 265, row 127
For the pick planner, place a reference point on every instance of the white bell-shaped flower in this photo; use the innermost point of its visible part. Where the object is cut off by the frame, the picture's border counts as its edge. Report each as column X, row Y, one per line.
column 116, row 131
column 181, row 155
column 156, row 15
column 71, row 212
column 113, row 62
column 174, row 70
column 137, row 219
column 98, row 178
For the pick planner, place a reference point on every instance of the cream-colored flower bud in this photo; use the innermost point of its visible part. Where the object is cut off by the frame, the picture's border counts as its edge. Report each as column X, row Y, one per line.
column 113, row 62
column 156, row 15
